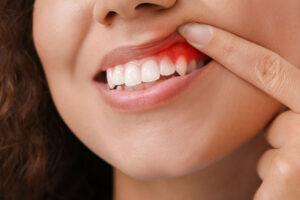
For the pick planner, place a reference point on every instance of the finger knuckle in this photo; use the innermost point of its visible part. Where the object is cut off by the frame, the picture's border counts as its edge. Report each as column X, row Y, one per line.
column 264, row 162
column 286, row 168
column 262, row 193
column 257, row 195
column 294, row 130
column 269, row 71
column 287, row 119
column 291, row 121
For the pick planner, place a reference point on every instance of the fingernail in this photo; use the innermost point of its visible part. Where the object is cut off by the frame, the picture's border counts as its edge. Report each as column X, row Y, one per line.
column 198, row 34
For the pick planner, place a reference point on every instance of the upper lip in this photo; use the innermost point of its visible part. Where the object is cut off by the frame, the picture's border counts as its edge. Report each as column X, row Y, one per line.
column 125, row 54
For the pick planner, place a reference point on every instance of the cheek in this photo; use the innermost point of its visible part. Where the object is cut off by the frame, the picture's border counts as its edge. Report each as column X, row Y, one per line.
column 272, row 24
column 222, row 112
column 58, row 30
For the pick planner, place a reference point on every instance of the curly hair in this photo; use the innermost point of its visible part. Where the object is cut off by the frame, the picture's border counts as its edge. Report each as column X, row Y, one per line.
column 40, row 158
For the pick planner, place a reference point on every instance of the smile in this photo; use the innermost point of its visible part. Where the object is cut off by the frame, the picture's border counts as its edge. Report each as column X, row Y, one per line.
column 147, row 80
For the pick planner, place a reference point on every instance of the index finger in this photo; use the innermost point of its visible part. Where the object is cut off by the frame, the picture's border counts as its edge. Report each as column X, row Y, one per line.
column 261, row 67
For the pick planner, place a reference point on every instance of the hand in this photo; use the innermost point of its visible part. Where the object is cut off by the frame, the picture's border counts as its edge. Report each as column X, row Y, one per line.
column 279, row 168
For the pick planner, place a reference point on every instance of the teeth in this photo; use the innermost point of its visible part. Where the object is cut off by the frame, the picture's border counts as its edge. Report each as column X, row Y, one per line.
column 136, row 87
column 166, row 66
column 192, row 66
column 136, row 77
column 126, row 88
column 181, row 65
column 109, row 75
column 132, row 75
column 119, row 87
column 147, row 85
column 118, row 75
column 150, row 71
column 139, row 87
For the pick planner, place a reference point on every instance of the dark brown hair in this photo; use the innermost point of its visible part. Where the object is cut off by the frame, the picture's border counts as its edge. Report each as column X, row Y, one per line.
column 39, row 156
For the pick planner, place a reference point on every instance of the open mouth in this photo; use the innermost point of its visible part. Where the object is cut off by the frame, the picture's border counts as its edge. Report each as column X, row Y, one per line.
column 179, row 59
column 139, row 78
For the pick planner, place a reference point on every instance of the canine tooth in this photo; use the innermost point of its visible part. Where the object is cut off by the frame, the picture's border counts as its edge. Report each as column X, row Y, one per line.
column 150, row 71
column 118, row 75
column 132, row 75
column 192, row 66
column 181, row 65
column 109, row 75
column 166, row 66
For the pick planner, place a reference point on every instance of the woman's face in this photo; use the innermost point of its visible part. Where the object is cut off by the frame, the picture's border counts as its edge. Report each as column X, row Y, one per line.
column 207, row 120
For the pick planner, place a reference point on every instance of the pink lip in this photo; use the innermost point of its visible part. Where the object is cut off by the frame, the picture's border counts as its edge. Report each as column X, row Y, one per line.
column 158, row 94
column 155, row 96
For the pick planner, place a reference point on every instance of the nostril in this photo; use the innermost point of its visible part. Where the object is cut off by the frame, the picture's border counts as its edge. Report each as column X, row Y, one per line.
column 147, row 5
column 109, row 16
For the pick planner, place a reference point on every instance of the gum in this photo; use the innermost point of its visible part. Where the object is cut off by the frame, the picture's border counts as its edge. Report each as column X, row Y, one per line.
column 182, row 49
column 174, row 52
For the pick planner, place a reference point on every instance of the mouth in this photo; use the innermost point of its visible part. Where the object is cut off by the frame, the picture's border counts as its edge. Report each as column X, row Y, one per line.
column 139, row 78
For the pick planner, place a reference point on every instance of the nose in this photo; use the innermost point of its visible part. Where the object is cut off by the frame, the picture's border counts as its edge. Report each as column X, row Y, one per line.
column 106, row 10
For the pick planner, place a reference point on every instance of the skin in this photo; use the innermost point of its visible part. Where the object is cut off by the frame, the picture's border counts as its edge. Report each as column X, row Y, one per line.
column 279, row 167
column 71, row 38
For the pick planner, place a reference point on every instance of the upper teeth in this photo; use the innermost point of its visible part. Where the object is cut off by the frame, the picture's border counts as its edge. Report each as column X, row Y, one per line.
column 150, row 71
column 131, row 74
column 166, row 66
column 181, row 65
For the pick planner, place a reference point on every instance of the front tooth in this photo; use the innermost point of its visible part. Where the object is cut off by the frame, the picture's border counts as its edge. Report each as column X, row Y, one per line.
column 118, row 75
column 150, row 71
column 192, row 66
column 132, row 75
column 109, row 76
column 166, row 66
column 181, row 65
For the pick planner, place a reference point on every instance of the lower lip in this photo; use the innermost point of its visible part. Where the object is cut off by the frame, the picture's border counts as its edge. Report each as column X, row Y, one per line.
column 157, row 95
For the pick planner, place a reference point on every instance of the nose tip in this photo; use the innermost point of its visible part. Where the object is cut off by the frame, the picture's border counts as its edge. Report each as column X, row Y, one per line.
column 106, row 10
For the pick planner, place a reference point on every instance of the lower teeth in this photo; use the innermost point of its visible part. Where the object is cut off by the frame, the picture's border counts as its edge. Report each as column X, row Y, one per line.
column 141, row 86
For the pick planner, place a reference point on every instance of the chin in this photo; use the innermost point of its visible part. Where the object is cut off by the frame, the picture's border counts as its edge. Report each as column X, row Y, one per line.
column 174, row 158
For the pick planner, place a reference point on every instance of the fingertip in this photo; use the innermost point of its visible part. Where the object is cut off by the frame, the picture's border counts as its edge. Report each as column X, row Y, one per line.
column 197, row 34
